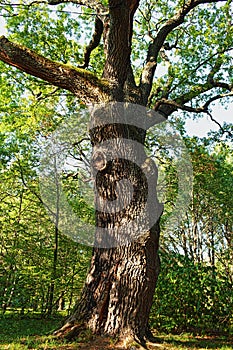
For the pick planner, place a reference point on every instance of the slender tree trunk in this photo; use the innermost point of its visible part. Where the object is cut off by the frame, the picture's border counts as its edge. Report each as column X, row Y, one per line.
column 55, row 247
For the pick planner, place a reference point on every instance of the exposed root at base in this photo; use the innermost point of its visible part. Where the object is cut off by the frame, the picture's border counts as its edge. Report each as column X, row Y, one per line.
column 151, row 338
column 134, row 343
column 61, row 331
column 70, row 331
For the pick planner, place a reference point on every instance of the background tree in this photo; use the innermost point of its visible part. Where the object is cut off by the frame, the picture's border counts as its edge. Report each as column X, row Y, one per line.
column 117, row 295
column 196, row 277
column 27, row 235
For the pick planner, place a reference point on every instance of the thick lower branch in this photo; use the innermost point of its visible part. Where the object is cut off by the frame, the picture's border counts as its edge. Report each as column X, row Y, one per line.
column 79, row 81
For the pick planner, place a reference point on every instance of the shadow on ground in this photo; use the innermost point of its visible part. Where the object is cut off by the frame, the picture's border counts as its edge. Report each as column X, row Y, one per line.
column 186, row 341
column 32, row 333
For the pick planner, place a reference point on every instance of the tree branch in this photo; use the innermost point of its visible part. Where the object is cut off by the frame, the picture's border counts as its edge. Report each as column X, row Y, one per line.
column 200, row 89
column 82, row 83
column 214, row 70
column 94, row 42
column 172, row 106
column 154, row 48
column 201, row 109
column 208, row 85
column 118, row 40
column 210, row 78
column 92, row 4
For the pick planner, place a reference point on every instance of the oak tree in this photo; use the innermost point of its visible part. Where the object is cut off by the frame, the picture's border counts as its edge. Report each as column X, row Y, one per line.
column 192, row 40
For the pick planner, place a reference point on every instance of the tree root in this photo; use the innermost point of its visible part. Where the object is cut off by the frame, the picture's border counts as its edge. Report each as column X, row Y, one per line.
column 70, row 331
column 73, row 330
column 136, row 343
column 151, row 338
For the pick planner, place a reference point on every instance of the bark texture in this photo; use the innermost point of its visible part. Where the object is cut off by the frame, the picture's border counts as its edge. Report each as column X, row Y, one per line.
column 119, row 288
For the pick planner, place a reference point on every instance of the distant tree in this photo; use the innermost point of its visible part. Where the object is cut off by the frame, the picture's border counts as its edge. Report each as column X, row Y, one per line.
column 34, row 273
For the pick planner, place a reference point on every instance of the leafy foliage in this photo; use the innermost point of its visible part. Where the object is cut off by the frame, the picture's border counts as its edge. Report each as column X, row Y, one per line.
column 190, row 298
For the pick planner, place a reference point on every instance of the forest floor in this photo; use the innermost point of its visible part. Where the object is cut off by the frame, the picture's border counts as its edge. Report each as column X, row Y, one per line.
column 17, row 333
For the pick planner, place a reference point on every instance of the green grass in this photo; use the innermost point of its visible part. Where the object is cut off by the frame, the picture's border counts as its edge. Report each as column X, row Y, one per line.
column 187, row 341
column 33, row 333
column 26, row 333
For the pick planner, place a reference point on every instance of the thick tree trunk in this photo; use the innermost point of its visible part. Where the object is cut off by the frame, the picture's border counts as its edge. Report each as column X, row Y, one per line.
column 119, row 288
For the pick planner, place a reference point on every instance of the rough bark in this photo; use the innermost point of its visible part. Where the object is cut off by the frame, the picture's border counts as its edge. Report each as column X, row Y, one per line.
column 117, row 41
column 119, row 288
column 118, row 293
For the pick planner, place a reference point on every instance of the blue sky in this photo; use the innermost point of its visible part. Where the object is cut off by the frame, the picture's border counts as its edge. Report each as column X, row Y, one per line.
column 199, row 127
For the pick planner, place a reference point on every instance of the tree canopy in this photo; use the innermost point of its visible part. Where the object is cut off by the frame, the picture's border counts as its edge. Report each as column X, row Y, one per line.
column 191, row 40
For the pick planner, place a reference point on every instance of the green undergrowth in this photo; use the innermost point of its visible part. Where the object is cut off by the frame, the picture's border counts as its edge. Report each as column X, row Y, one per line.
column 34, row 332
column 27, row 332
